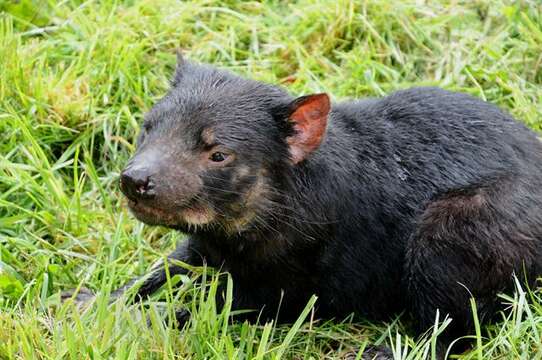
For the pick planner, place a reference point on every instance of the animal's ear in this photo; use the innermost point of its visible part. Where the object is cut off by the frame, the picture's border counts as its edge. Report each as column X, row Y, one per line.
column 179, row 68
column 308, row 117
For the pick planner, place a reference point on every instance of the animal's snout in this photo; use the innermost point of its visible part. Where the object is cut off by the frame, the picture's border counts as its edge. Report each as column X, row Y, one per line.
column 161, row 177
column 137, row 183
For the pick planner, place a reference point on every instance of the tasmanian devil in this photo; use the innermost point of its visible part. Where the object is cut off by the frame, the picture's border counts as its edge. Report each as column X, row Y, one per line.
column 413, row 202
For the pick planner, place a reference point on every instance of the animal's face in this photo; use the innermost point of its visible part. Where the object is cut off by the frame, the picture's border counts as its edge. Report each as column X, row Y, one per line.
column 211, row 150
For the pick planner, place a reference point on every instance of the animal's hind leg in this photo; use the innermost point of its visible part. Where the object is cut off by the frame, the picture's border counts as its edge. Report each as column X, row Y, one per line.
column 469, row 243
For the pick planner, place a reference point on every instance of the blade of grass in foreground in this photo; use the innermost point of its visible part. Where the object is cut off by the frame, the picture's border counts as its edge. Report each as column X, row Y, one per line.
column 295, row 328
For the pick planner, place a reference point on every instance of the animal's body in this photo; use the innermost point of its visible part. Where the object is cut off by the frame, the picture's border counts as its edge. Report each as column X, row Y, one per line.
column 412, row 202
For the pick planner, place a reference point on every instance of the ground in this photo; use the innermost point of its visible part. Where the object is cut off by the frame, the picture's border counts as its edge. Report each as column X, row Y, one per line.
column 76, row 78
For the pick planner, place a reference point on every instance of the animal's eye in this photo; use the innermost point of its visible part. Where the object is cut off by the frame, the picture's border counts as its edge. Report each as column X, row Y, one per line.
column 147, row 126
column 218, row 156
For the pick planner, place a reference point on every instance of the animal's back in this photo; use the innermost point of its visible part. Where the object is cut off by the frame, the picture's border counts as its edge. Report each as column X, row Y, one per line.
column 446, row 138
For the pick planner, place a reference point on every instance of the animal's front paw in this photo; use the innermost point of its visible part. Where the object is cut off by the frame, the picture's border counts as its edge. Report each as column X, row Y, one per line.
column 377, row 353
column 179, row 319
column 182, row 316
column 81, row 297
column 372, row 353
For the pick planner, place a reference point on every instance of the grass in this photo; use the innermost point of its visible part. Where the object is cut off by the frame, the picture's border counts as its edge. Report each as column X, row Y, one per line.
column 76, row 78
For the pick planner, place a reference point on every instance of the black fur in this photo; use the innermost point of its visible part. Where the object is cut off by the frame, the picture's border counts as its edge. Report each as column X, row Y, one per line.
column 411, row 202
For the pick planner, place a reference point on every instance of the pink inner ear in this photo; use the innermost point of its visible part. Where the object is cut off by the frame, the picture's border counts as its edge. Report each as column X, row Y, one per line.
column 310, row 119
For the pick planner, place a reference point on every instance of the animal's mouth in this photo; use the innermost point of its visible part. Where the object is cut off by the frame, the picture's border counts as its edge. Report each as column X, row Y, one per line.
column 192, row 214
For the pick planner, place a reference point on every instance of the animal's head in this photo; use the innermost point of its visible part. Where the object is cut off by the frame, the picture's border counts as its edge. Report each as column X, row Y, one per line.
column 210, row 152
